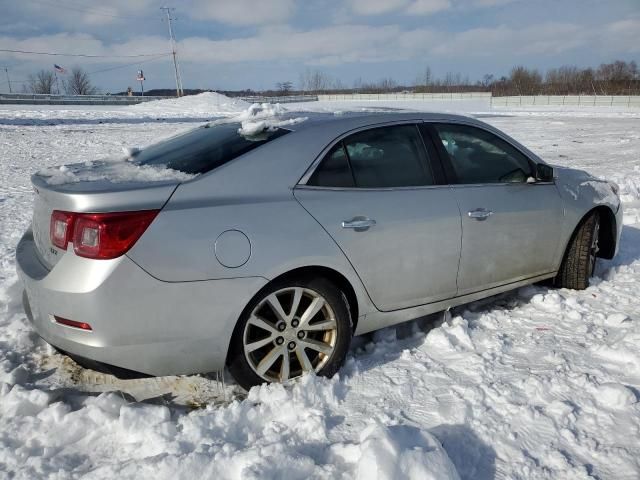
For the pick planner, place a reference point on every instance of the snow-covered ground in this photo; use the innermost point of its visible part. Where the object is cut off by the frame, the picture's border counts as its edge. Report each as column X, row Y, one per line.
column 537, row 383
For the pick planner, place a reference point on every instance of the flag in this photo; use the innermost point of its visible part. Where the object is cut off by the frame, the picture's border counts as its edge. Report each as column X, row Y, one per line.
column 140, row 76
column 59, row 69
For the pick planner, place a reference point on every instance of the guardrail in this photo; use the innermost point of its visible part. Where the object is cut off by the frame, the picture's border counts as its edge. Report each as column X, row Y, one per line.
column 570, row 100
column 44, row 99
column 406, row 96
column 280, row 99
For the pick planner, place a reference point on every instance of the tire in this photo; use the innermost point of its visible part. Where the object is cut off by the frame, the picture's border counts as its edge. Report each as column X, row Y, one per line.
column 580, row 258
column 271, row 344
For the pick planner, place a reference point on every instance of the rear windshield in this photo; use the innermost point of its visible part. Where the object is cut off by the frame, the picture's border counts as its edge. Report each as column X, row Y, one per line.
column 205, row 148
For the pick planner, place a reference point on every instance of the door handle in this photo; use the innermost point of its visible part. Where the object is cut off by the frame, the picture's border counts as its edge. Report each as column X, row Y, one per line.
column 480, row 214
column 359, row 223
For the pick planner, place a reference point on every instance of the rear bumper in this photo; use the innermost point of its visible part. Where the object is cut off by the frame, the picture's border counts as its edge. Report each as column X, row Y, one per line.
column 138, row 322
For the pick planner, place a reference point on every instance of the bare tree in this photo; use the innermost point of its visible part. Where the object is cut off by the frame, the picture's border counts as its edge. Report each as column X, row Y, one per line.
column 526, row 81
column 79, row 83
column 337, row 84
column 617, row 77
column 425, row 79
column 314, row 81
column 41, row 82
column 284, row 88
column 387, row 84
column 487, row 80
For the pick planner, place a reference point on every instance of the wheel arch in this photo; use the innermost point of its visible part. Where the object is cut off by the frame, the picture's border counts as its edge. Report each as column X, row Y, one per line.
column 330, row 274
column 608, row 228
column 335, row 277
column 607, row 236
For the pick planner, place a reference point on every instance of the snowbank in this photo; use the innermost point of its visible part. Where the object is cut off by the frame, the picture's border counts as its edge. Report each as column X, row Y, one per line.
column 537, row 383
column 193, row 108
column 276, row 433
column 203, row 104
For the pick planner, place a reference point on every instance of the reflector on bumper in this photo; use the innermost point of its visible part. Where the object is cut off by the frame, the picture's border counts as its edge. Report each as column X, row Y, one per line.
column 72, row 323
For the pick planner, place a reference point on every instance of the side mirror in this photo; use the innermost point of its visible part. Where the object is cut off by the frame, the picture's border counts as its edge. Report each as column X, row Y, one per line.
column 544, row 173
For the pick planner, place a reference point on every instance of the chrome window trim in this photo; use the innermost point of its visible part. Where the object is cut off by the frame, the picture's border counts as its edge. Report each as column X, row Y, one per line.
column 420, row 187
column 316, row 162
column 372, row 189
column 503, row 184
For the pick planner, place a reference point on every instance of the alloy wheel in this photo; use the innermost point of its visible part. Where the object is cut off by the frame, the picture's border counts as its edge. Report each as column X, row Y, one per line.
column 290, row 332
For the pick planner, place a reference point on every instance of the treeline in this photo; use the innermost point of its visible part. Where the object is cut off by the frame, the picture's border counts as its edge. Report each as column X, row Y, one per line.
column 616, row 78
column 74, row 82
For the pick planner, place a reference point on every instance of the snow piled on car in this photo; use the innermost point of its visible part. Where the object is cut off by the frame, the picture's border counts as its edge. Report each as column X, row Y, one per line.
column 254, row 119
column 260, row 117
column 115, row 171
column 536, row 383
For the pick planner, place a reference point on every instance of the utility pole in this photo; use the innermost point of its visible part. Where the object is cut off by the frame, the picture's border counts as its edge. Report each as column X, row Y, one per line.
column 172, row 42
column 6, row 69
column 57, row 82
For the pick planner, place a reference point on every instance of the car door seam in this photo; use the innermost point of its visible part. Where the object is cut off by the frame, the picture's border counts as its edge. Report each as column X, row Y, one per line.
column 339, row 248
column 453, row 193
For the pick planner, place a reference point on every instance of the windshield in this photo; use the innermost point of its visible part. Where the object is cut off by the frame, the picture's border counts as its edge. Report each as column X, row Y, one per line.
column 205, row 148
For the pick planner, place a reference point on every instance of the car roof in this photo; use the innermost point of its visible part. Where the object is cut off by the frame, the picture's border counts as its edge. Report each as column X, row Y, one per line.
column 356, row 119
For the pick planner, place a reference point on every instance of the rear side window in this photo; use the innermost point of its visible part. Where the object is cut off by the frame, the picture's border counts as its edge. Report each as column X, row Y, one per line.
column 478, row 156
column 378, row 158
column 204, row 148
column 334, row 170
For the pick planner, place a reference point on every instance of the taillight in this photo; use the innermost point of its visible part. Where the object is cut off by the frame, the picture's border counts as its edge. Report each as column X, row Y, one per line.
column 103, row 235
column 61, row 228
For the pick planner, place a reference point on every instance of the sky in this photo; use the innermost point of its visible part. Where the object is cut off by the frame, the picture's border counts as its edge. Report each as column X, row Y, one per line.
column 239, row 44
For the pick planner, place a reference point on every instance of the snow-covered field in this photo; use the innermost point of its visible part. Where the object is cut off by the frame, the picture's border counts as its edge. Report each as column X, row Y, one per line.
column 537, row 383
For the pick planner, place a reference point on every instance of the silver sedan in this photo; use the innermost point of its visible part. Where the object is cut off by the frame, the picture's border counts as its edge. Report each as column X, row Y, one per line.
column 268, row 251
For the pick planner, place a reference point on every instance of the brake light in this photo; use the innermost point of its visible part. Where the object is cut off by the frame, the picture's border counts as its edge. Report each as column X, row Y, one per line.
column 100, row 235
column 61, row 228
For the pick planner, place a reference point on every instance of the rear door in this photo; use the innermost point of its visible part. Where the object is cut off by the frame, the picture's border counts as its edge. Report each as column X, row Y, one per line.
column 384, row 202
column 510, row 224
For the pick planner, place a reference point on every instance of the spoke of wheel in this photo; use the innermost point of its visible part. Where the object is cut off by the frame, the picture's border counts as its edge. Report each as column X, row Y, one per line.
column 258, row 322
column 284, row 369
column 316, row 345
column 297, row 296
column 276, row 307
column 319, row 326
column 305, row 363
column 253, row 346
column 268, row 360
column 314, row 307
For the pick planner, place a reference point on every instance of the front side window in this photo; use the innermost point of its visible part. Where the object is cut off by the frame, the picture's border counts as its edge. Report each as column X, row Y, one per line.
column 378, row 158
column 478, row 156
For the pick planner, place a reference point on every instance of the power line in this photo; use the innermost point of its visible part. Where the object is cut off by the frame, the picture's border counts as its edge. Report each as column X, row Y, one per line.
column 85, row 10
column 127, row 65
column 83, row 54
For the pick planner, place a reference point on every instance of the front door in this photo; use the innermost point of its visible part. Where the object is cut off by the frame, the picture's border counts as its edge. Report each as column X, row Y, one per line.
column 510, row 224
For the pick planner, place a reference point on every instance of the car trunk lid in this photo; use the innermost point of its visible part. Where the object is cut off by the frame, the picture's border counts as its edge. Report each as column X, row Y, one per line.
column 89, row 196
